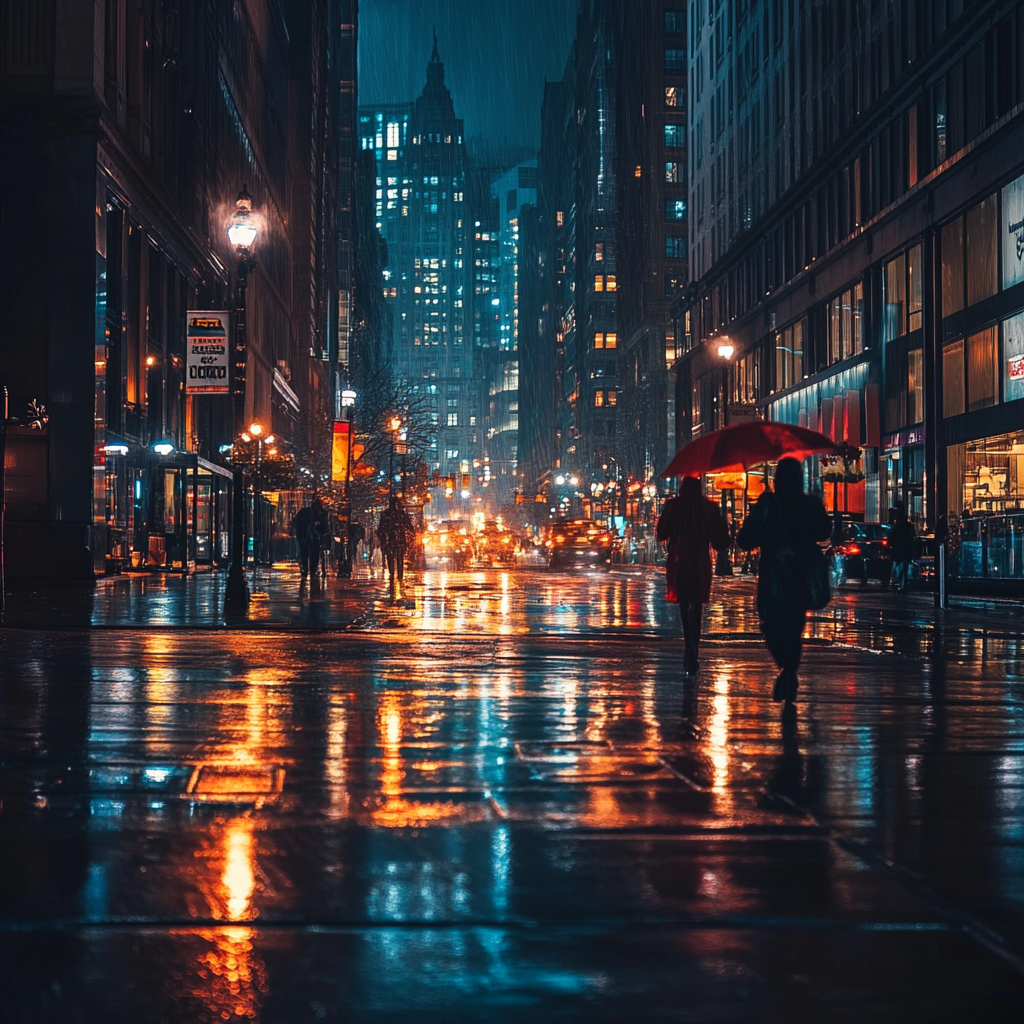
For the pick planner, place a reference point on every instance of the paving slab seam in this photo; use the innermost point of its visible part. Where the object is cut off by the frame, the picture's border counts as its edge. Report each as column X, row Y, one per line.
column 907, row 880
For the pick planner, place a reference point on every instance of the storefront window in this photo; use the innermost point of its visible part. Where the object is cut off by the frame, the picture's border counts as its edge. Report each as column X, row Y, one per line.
column 987, row 475
column 982, row 370
column 982, row 261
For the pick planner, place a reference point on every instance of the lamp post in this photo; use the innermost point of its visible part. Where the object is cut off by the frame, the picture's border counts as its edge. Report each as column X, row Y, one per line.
column 241, row 234
column 395, row 423
column 726, row 350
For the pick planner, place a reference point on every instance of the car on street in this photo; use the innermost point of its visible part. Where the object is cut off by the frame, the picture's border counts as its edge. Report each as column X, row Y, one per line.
column 578, row 542
column 861, row 554
column 495, row 544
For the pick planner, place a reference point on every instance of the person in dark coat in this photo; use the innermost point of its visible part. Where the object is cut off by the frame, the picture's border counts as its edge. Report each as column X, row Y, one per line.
column 784, row 522
column 901, row 547
column 356, row 534
column 691, row 524
column 395, row 532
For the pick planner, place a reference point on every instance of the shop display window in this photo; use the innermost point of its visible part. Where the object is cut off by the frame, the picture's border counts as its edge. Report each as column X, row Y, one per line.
column 988, row 475
column 1013, row 358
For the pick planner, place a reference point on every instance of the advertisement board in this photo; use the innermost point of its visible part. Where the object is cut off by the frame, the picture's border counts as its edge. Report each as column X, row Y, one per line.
column 207, row 356
column 1013, row 233
column 1013, row 358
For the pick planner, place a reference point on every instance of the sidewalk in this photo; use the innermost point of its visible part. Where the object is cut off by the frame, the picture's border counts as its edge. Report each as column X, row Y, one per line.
column 279, row 600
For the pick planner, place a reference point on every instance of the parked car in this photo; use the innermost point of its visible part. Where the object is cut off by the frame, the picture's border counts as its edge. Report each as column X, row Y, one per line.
column 578, row 542
column 861, row 554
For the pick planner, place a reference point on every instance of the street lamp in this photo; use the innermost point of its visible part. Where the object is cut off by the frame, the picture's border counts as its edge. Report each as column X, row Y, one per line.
column 395, row 423
column 242, row 235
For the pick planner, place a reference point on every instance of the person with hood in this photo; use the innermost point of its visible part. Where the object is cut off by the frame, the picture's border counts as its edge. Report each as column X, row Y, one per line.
column 692, row 525
column 785, row 524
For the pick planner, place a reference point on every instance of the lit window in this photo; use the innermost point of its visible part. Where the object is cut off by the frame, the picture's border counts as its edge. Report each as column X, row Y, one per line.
column 558, row 218
column 598, row 283
column 599, row 340
column 392, row 134
column 671, row 172
column 599, row 251
column 671, row 96
column 453, row 419
column 636, row 173
column 675, row 209
column 674, row 137
column 611, row 340
column 598, row 399
column 613, row 397
column 609, row 283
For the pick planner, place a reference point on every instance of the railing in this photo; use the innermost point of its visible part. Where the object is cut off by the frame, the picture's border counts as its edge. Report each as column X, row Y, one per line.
column 991, row 547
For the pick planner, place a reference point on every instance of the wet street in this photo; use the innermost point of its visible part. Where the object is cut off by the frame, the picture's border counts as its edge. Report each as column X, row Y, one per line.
column 498, row 799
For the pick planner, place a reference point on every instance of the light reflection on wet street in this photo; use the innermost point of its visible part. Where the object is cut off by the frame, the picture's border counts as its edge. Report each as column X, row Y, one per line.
column 498, row 798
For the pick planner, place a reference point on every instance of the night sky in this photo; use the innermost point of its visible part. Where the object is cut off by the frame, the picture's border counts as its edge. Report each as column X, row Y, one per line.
column 496, row 55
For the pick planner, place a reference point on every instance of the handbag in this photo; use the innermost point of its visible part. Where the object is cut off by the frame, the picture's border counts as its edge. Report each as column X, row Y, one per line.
column 802, row 577
column 817, row 579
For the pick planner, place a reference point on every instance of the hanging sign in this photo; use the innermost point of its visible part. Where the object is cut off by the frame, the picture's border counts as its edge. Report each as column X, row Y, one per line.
column 207, row 338
column 340, row 451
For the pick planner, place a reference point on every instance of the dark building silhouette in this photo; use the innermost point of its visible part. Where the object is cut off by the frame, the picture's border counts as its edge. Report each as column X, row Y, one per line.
column 125, row 138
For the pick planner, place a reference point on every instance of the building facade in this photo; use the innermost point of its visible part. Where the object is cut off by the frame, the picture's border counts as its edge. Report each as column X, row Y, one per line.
column 131, row 128
column 855, row 238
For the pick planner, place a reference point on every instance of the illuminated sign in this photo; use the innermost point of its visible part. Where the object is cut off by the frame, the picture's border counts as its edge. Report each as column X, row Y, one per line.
column 1013, row 233
column 207, row 339
column 340, row 452
column 1013, row 358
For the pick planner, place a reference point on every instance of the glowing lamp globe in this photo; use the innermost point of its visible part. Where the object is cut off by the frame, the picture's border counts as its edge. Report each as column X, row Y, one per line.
column 242, row 229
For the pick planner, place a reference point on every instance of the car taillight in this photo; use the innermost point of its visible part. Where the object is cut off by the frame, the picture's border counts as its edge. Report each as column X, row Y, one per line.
column 849, row 549
column 559, row 539
column 605, row 539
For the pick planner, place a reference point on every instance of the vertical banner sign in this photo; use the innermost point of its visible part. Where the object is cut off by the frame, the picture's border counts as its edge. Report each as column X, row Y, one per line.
column 339, row 454
column 207, row 340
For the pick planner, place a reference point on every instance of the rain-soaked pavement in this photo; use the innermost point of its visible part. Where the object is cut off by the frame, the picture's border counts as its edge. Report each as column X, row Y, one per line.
column 499, row 800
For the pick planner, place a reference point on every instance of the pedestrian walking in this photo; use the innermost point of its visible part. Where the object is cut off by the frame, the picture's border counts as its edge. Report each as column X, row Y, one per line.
column 901, row 546
column 692, row 525
column 311, row 529
column 785, row 524
column 394, row 532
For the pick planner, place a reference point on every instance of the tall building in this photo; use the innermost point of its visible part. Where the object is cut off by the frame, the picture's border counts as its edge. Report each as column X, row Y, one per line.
column 422, row 213
column 855, row 211
column 134, row 130
column 514, row 191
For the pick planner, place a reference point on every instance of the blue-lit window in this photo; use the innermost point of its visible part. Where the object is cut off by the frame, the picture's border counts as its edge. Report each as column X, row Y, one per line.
column 675, row 60
column 675, row 247
column 675, row 209
column 675, row 21
column 674, row 136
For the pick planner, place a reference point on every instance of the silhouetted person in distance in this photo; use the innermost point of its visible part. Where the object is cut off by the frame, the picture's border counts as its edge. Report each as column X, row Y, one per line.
column 691, row 524
column 901, row 547
column 394, row 531
column 312, row 531
column 785, row 523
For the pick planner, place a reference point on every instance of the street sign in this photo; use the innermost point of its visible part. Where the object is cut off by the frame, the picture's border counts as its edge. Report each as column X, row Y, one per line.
column 207, row 360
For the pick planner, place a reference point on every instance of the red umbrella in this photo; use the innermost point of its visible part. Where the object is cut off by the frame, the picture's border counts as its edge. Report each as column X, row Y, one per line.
column 746, row 444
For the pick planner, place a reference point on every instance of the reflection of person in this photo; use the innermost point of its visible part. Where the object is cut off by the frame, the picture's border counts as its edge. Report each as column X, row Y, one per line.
column 356, row 534
column 394, row 532
column 785, row 524
column 691, row 524
column 901, row 547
